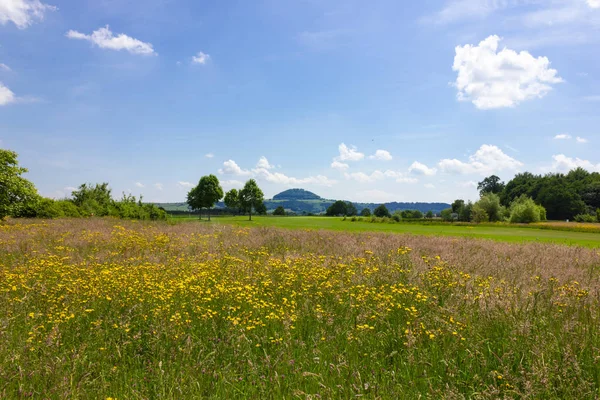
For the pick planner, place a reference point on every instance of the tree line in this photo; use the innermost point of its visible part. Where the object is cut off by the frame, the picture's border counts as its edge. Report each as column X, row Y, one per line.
column 19, row 198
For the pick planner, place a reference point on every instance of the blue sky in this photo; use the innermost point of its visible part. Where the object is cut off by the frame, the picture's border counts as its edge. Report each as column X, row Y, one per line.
column 367, row 101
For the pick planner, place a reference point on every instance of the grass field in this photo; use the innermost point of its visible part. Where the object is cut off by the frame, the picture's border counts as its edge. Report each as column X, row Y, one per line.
column 502, row 233
column 110, row 309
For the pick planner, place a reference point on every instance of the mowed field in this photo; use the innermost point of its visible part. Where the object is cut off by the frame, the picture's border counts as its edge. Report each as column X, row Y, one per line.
column 502, row 233
column 111, row 309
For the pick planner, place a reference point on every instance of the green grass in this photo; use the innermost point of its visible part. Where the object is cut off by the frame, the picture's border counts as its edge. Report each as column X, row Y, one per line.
column 501, row 233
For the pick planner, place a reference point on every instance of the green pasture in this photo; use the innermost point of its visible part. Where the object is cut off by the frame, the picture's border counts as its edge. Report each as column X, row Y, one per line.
column 501, row 233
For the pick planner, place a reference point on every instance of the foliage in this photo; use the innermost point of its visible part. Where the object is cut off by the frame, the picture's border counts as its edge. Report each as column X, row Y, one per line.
column 598, row 214
column 381, row 211
column 490, row 203
column 351, row 209
column 411, row 214
column 279, row 211
column 586, row 218
column 338, row 208
column 261, row 209
column 93, row 200
column 251, row 197
column 491, row 184
column 524, row 210
column 447, row 214
column 296, row 194
column 366, row 212
column 17, row 194
column 429, row 214
column 232, row 200
column 205, row 194
column 479, row 214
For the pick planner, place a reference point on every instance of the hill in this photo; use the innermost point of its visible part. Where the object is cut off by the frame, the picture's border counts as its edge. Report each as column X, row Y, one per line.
column 296, row 194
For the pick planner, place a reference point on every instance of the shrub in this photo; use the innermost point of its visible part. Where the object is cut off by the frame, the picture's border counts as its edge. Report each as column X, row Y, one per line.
column 598, row 214
column 353, row 219
column 397, row 218
column 490, row 203
column 524, row 210
column 48, row 208
column 366, row 212
column 586, row 218
column 447, row 214
column 68, row 208
column 279, row 211
column 479, row 214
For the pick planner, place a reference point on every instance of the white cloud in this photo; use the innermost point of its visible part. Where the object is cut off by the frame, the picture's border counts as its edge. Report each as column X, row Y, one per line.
column 365, row 178
column 349, row 153
column 462, row 9
column 71, row 189
column 340, row 166
column 487, row 160
column 209, row 155
column 492, row 79
column 6, row 95
column 563, row 163
column 581, row 140
column 230, row 167
column 5, row 67
column 400, row 177
column 22, row 12
column 104, row 38
column 282, row 179
column 468, row 184
column 185, row 184
column 594, row 3
column 200, row 58
column 429, row 186
column 159, row 186
column 264, row 163
column 382, row 155
column 140, row 185
column 421, row 169
column 563, row 136
column 233, row 183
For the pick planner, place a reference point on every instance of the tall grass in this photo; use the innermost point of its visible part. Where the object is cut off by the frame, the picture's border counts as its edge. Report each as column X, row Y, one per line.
column 104, row 308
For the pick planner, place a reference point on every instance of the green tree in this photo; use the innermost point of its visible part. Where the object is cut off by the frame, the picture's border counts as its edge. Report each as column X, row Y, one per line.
column 251, row 197
column 261, row 208
column 560, row 201
column 490, row 203
column 382, row 211
column 523, row 183
column 598, row 214
column 16, row 193
column 429, row 214
column 93, row 200
column 232, row 200
column 279, row 211
column 446, row 214
column 479, row 214
column 465, row 212
column 524, row 210
column 491, row 184
column 351, row 209
column 337, row 208
column 366, row 212
column 205, row 194
column 457, row 206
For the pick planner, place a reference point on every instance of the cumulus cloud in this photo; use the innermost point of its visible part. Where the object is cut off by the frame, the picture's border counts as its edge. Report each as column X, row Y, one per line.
column 340, row 166
column 184, row 184
column 158, row 186
column 562, row 136
column 487, row 160
column 230, row 167
column 381, row 155
column 105, row 39
column 421, row 169
column 209, row 155
column 232, row 183
column 365, row 178
column 400, row 177
column 200, row 58
column 349, row 153
column 495, row 79
column 562, row 163
column 264, row 163
column 22, row 13
column 581, row 140
column 594, row 3
column 6, row 95
column 140, row 184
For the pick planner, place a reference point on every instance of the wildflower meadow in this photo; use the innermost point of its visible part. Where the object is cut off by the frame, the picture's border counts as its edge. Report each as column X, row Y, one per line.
column 110, row 309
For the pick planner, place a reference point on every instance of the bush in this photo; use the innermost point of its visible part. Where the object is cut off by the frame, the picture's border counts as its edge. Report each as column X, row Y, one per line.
column 447, row 215
column 586, row 218
column 48, row 208
column 279, row 211
column 490, row 203
column 353, row 219
column 524, row 211
column 598, row 214
column 366, row 212
column 397, row 218
column 68, row 208
column 479, row 214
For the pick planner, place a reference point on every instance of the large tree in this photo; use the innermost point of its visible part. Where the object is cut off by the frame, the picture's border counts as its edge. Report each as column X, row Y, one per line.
column 491, row 184
column 382, row 211
column 337, row 208
column 205, row 194
column 232, row 199
column 251, row 197
column 16, row 193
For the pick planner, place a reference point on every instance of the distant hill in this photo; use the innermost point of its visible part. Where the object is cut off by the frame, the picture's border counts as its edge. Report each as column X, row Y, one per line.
column 302, row 201
column 296, row 194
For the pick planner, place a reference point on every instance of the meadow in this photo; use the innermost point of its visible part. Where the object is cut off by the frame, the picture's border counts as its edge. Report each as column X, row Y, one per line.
column 112, row 309
column 548, row 232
